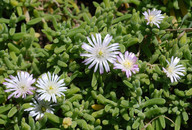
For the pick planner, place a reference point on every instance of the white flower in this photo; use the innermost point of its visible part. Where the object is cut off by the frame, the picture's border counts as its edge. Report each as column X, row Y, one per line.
column 100, row 53
column 50, row 86
column 39, row 107
column 174, row 71
column 20, row 84
column 127, row 63
column 153, row 17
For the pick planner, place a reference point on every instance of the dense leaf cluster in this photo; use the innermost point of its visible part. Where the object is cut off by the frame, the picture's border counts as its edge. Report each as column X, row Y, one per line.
column 40, row 36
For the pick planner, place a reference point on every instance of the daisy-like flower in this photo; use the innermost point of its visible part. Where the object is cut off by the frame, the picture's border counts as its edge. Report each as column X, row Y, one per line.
column 50, row 86
column 19, row 85
column 38, row 108
column 153, row 17
column 173, row 71
column 100, row 53
column 127, row 63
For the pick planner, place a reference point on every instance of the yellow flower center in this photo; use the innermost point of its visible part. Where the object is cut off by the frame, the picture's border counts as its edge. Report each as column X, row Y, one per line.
column 51, row 89
column 23, row 88
column 151, row 18
column 127, row 64
column 43, row 109
column 170, row 69
column 100, row 54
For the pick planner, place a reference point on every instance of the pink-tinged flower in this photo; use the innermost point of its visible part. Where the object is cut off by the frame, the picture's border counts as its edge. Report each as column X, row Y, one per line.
column 173, row 71
column 50, row 86
column 127, row 63
column 19, row 85
column 100, row 52
column 153, row 17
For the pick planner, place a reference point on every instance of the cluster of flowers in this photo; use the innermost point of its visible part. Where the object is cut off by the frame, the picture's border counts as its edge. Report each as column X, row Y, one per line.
column 47, row 87
column 100, row 53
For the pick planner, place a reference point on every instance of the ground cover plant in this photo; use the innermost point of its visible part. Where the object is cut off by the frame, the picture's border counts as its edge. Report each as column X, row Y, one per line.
column 74, row 64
